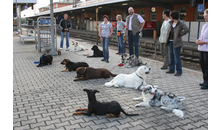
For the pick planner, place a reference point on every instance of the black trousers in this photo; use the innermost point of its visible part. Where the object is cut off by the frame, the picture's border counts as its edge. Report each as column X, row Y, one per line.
column 204, row 66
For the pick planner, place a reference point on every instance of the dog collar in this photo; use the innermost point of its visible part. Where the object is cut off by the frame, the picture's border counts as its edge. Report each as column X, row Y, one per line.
column 84, row 71
column 138, row 75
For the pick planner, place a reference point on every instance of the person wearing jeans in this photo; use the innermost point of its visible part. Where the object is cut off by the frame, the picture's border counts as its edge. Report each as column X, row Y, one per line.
column 67, row 40
column 120, row 34
column 174, row 40
column 65, row 25
column 134, row 25
column 105, row 31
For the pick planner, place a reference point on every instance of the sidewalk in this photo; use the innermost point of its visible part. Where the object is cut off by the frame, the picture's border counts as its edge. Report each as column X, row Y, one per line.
column 45, row 98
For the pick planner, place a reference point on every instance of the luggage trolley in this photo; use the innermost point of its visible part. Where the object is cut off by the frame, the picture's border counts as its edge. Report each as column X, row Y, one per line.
column 43, row 32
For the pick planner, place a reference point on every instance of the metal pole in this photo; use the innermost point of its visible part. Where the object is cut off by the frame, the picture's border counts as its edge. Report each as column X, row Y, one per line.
column 52, row 29
column 97, row 35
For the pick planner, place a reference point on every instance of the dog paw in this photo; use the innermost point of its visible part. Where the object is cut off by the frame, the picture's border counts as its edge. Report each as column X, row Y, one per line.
column 135, row 99
column 77, row 113
column 137, row 105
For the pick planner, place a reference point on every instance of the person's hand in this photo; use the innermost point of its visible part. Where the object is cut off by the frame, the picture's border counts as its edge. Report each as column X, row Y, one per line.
column 198, row 42
column 124, row 36
column 101, row 39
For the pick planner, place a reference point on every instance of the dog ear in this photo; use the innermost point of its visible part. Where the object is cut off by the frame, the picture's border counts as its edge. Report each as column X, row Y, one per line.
column 86, row 90
column 96, row 91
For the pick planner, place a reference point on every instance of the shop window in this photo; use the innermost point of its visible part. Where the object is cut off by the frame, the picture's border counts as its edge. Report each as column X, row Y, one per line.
column 199, row 15
column 182, row 12
column 142, row 14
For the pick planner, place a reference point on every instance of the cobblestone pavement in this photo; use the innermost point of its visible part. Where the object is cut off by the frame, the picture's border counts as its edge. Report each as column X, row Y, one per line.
column 45, row 98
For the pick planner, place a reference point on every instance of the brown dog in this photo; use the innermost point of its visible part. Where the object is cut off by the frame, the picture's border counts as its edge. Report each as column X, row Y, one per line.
column 85, row 73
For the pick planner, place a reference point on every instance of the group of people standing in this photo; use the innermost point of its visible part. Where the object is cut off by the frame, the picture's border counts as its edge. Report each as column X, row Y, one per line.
column 170, row 39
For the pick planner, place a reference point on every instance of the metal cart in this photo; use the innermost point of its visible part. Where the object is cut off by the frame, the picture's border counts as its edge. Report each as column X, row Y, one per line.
column 43, row 34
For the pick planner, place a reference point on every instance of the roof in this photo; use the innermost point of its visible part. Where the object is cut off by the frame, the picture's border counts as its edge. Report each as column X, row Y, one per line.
column 84, row 5
column 25, row 1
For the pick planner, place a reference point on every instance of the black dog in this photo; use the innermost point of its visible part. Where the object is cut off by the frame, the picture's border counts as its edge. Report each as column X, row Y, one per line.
column 71, row 66
column 103, row 108
column 45, row 60
column 96, row 52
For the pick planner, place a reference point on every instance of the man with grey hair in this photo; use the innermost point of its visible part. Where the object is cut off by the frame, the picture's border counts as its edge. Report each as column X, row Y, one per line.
column 134, row 25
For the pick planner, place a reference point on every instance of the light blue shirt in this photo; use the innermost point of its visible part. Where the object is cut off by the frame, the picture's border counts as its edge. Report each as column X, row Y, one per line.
column 106, row 29
column 120, row 26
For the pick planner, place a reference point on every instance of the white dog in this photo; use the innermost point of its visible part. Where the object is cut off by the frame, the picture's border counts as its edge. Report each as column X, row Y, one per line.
column 152, row 97
column 77, row 47
column 135, row 80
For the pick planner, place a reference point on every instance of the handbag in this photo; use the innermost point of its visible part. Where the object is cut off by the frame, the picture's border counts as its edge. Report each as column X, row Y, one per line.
column 119, row 33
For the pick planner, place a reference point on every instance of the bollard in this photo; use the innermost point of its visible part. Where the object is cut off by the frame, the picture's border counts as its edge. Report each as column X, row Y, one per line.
column 155, row 43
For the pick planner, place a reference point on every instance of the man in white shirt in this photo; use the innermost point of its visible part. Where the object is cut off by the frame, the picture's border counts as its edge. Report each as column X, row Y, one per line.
column 134, row 25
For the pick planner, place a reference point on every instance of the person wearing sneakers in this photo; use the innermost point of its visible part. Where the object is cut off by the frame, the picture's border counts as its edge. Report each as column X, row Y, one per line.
column 105, row 31
column 65, row 25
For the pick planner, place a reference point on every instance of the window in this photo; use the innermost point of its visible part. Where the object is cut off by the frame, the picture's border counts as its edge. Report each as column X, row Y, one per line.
column 199, row 16
column 142, row 14
column 182, row 12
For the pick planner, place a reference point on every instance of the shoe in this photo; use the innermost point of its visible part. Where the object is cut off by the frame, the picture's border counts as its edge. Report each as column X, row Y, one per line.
column 120, row 64
column 201, row 84
column 177, row 74
column 103, row 60
column 164, row 68
column 61, row 48
column 107, row 61
column 118, row 53
column 170, row 72
column 204, row 87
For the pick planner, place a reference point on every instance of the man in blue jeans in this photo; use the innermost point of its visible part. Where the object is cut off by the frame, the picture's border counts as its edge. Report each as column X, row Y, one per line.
column 134, row 25
column 65, row 25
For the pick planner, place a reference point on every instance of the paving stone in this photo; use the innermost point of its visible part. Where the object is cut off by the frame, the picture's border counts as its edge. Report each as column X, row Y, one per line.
column 45, row 98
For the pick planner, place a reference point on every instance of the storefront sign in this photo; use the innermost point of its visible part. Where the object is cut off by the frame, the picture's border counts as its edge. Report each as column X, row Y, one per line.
column 200, row 8
column 150, row 25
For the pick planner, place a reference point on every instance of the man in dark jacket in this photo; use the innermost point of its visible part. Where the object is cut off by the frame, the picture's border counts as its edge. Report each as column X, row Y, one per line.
column 65, row 25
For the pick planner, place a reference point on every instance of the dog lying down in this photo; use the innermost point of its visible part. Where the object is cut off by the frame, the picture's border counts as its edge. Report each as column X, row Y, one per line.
column 77, row 47
column 155, row 98
column 86, row 73
column 96, row 52
column 45, row 60
column 112, row 108
column 72, row 66
column 135, row 80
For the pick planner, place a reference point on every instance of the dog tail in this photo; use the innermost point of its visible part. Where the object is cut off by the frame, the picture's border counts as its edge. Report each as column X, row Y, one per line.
column 178, row 113
column 128, row 114
column 113, row 75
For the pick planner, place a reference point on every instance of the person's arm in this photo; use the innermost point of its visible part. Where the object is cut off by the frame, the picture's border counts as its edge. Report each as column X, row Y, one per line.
column 126, row 29
column 70, row 25
column 60, row 24
column 184, row 29
column 100, row 29
column 111, row 31
column 141, row 20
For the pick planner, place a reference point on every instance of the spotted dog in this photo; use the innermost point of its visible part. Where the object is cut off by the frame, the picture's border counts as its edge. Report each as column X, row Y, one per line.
column 152, row 97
